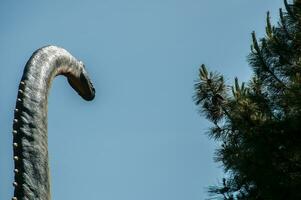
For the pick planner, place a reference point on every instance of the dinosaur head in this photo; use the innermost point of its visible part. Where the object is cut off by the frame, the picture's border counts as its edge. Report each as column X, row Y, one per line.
column 81, row 83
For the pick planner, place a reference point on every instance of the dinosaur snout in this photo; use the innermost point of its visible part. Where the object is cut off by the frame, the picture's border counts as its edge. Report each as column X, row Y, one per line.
column 83, row 85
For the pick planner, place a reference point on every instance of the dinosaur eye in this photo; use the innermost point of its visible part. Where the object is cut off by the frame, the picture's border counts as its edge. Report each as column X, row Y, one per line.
column 81, row 63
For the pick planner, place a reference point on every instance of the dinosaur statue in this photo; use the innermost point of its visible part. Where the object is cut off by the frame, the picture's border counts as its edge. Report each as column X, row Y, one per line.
column 31, row 180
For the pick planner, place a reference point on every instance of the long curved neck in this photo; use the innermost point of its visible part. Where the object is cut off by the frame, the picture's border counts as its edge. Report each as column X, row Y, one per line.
column 30, row 141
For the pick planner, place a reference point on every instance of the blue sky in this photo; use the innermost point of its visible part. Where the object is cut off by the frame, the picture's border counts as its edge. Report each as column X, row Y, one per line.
column 142, row 137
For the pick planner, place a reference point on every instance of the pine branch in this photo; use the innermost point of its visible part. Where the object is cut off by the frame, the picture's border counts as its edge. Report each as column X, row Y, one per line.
column 269, row 28
column 289, row 10
column 262, row 60
column 283, row 24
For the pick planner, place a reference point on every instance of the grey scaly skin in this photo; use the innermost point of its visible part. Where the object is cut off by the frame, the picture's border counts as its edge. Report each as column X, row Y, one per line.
column 30, row 141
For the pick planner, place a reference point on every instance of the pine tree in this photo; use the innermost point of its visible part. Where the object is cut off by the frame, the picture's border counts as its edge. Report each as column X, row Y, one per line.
column 259, row 123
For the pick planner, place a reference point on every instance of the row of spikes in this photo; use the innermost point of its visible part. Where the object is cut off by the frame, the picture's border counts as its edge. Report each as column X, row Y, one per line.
column 15, row 132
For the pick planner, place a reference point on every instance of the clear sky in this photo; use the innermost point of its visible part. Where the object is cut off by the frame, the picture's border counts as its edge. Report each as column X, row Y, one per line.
column 142, row 137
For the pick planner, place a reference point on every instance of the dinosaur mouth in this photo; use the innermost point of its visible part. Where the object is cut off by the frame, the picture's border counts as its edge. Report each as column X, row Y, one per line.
column 83, row 86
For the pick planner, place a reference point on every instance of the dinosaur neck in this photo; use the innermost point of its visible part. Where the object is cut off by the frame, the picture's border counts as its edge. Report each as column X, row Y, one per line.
column 30, row 141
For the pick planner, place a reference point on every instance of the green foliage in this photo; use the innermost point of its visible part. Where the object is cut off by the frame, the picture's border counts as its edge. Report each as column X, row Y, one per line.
column 259, row 123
